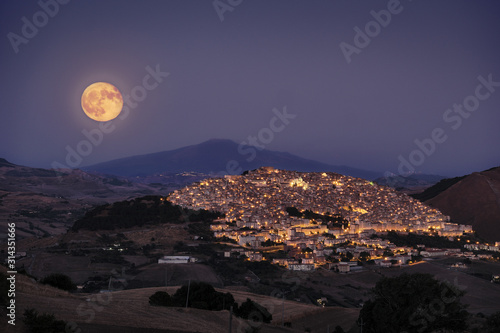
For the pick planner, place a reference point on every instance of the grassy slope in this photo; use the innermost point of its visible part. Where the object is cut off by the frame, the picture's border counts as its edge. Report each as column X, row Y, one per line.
column 130, row 308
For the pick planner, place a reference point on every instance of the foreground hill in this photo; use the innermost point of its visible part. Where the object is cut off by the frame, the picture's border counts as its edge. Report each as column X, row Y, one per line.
column 472, row 199
column 129, row 311
column 213, row 156
column 45, row 202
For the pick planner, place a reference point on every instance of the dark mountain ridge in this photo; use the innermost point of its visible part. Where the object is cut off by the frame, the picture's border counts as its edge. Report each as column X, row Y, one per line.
column 218, row 157
column 413, row 182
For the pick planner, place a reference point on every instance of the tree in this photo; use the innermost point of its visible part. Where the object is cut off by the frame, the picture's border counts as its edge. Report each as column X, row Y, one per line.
column 268, row 243
column 347, row 256
column 416, row 258
column 413, row 303
column 307, row 250
column 388, row 253
column 203, row 296
column 161, row 298
column 338, row 329
column 60, row 281
column 492, row 323
column 364, row 256
column 253, row 311
column 42, row 323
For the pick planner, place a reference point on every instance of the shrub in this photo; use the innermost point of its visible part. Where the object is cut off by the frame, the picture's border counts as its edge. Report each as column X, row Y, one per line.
column 60, row 281
column 161, row 298
column 253, row 311
column 42, row 323
column 405, row 302
column 203, row 296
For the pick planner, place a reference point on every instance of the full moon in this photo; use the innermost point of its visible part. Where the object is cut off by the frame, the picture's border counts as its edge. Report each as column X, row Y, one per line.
column 102, row 101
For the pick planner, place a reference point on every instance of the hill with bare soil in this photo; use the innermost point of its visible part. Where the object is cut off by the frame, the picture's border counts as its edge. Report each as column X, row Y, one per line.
column 129, row 310
column 473, row 200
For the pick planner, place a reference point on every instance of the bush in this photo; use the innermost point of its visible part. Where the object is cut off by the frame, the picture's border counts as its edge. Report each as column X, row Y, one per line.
column 492, row 323
column 42, row 323
column 60, row 281
column 148, row 210
column 203, row 296
column 406, row 302
column 253, row 311
column 161, row 298
column 338, row 329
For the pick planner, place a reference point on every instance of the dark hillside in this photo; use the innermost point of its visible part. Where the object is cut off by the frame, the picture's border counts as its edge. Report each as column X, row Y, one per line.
column 139, row 212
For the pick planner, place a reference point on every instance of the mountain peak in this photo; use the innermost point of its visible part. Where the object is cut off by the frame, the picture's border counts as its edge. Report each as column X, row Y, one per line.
column 216, row 157
column 217, row 140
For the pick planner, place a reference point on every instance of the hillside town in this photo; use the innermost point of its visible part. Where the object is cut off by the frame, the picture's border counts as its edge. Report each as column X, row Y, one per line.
column 313, row 215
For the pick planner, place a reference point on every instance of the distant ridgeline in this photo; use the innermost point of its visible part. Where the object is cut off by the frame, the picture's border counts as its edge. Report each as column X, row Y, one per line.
column 436, row 189
column 139, row 212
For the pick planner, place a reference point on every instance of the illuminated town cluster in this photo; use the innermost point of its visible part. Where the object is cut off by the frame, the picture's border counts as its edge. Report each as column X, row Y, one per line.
column 255, row 206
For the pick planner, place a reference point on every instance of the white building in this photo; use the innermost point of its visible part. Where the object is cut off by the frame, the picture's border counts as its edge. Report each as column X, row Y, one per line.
column 301, row 267
column 176, row 260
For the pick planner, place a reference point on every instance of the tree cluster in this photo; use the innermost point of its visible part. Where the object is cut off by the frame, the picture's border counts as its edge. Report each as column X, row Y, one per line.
column 139, row 212
column 60, row 281
column 429, row 241
column 413, row 303
column 201, row 295
column 42, row 323
column 309, row 214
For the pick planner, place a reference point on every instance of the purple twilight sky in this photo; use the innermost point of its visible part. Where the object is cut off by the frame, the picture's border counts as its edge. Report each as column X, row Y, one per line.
column 365, row 79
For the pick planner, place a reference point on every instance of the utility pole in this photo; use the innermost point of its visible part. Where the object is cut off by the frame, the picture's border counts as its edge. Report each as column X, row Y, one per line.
column 187, row 297
column 166, row 277
column 361, row 326
column 283, row 311
column 230, row 318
